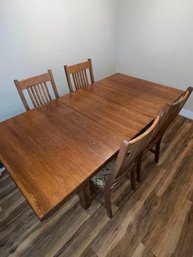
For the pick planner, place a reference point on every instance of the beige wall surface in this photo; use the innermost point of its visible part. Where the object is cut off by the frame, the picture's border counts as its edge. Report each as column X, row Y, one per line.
column 155, row 41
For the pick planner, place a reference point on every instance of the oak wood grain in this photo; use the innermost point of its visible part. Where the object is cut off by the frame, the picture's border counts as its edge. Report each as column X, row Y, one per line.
column 135, row 94
column 50, row 152
column 115, row 117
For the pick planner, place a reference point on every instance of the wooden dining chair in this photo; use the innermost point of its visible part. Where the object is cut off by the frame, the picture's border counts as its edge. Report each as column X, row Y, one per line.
column 77, row 75
column 124, row 166
column 38, row 89
column 169, row 113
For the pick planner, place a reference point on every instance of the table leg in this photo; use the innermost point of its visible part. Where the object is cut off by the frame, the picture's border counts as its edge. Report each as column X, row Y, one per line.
column 85, row 196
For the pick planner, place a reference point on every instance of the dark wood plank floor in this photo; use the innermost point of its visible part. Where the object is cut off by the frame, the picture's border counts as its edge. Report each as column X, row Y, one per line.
column 154, row 221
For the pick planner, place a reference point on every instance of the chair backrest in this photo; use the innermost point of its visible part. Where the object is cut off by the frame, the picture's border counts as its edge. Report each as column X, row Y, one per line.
column 79, row 74
column 169, row 113
column 37, row 88
column 129, row 153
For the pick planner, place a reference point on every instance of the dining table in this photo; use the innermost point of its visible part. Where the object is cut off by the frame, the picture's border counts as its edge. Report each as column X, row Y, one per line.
column 53, row 151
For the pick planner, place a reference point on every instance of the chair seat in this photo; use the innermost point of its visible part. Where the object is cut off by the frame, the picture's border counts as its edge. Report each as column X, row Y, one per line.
column 2, row 168
column 102, row 176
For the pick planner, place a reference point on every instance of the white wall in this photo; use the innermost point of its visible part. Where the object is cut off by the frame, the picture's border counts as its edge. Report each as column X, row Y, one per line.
column 155, row 41
column 150, row 39
column 41, row 34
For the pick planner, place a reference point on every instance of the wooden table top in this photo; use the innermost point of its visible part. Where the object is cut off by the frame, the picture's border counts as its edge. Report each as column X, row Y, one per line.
column 51, row 151
column 135, row 94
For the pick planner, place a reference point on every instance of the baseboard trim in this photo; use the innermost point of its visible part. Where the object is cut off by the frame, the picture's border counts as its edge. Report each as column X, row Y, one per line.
column 186, row 113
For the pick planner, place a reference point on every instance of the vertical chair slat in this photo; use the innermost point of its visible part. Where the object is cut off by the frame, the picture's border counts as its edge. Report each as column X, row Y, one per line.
column 85, row 77
column 44, row 92
column 38, row 95
column 75, row 80
column 78, row 79
column 35, row 97
column 82, row 79
column 47, row 91
column 41, row 94
column 31, row 96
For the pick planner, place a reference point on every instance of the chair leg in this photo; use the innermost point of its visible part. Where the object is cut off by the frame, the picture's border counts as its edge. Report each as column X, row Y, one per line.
column 133, row 179
column 139, row 162
column 157, row 150
column 108, row 205
column 85, row 196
